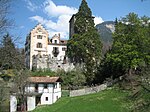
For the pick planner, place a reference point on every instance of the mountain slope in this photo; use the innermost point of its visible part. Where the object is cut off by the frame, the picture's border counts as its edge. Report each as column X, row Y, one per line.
column 105, row 30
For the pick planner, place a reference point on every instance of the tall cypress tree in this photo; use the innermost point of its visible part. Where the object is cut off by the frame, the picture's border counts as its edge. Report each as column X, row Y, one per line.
column 85, row 45
column 84, row 20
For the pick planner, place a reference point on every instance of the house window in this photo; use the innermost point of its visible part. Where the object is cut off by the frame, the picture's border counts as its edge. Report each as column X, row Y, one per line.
column 39, row 45
column 36, row 87
column 45, row 86
column 39, row 36
column 55, row 85
column 46, row 98
column 64, row 49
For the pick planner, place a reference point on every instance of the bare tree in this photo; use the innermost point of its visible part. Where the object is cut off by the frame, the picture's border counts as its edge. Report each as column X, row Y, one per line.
column 4, row 96
column 20, row 81
column 4, row 11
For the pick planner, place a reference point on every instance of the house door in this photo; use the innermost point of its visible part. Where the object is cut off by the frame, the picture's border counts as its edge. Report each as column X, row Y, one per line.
column 38, row 100
column 22, row 106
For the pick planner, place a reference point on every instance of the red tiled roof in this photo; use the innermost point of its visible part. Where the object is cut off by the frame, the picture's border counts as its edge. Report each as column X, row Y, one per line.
column 63, row 41
column 44, row 79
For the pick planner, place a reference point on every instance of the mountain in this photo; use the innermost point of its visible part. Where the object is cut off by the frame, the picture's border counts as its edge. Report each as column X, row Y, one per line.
column 105, row 30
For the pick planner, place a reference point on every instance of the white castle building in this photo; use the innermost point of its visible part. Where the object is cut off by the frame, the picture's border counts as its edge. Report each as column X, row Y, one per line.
column 42, row 52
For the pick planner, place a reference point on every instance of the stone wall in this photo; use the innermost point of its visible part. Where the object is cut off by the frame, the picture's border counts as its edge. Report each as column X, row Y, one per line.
column 86, row 91
column 45, row 61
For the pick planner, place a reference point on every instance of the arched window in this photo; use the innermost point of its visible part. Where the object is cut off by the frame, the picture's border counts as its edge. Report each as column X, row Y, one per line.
column 39, row 45
column 55, row 41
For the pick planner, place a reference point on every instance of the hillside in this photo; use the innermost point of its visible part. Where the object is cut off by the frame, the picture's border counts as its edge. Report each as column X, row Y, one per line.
column 111, row 100
column 105, row 30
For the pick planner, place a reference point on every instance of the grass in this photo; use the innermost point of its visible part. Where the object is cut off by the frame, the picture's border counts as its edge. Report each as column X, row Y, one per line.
column 110, row 100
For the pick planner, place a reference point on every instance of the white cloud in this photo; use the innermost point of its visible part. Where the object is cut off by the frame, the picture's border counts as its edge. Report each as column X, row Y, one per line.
column 62, row 15
column 60, row 26
column 31, row 6
column 98, row 20
column 53, row 10
column 38, row 19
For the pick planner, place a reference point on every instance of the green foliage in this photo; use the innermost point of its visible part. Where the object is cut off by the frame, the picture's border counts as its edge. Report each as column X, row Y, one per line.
column 45, row 72
column 7, row 74
column 10, row 55
column 130, row 52
column 65, row 93
column 142, row 98
column 7, row 50
column 84, row 20
column 130, row 47
column 85, row 46
column 4, row 96
column 107, row 101
column 74, row 79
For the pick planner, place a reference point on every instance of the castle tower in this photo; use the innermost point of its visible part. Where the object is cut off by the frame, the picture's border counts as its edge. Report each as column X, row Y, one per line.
column 36, row 43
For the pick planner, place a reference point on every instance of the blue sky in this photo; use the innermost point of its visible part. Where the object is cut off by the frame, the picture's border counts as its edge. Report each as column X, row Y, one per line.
column 55, row 14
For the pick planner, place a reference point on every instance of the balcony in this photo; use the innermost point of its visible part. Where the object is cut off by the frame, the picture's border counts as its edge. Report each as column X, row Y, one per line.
column 55, row 52
column 45, row 91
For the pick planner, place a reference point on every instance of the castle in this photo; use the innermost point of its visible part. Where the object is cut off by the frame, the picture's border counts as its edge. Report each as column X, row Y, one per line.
column 42, row 52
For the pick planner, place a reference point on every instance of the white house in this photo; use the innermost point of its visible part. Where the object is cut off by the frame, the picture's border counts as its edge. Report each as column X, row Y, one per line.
column 40, row 91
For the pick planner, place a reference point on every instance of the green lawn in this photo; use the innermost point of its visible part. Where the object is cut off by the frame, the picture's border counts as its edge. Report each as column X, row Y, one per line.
column 110, row 100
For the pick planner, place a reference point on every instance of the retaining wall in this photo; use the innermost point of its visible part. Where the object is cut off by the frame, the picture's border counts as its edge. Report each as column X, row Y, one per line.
column 90, row 90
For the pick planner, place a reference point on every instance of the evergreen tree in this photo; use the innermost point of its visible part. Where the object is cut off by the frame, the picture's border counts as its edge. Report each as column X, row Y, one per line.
column 85, row 46
column 130, row 48
column 10, row 56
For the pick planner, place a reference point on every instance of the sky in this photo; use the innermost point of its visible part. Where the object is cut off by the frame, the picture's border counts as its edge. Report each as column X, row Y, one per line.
column 54, row 15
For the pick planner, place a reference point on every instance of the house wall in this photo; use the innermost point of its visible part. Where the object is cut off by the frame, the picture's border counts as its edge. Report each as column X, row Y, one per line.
column 40, row 88
column 13, row 103
column 57, row 92
column 31, row 103
column 49, row 97
column 30, row 88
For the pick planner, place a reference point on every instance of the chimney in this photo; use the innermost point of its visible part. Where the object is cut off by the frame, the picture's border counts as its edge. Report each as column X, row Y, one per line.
column 59, row 35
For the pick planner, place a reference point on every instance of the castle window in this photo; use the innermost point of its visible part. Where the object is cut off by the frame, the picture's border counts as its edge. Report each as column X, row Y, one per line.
column 55, row 41
column 55, row 51
column 39, row 36
column 39, row 45
column 64, row 49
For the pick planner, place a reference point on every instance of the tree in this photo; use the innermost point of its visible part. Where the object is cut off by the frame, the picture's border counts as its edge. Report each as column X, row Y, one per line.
column 4, row 96
column 4, row 21
column 85, row 46
column 130, row 46
column 11, row 57
column 130, row 58
column 73, row 79
column 20, row 81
